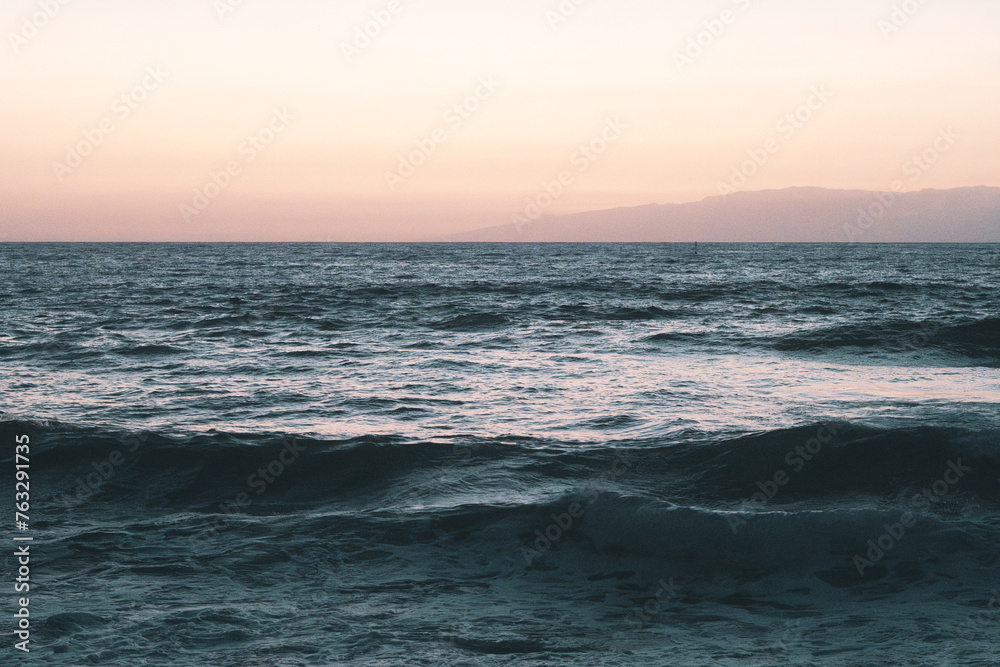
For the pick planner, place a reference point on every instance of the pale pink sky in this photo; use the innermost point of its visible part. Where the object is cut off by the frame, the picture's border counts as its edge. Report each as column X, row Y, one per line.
column 301, row 133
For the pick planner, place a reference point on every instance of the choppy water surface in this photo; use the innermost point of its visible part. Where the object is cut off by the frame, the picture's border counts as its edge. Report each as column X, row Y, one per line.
column 508, row 454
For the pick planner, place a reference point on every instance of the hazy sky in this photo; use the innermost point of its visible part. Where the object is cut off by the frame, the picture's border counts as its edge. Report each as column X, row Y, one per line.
column 116, row 114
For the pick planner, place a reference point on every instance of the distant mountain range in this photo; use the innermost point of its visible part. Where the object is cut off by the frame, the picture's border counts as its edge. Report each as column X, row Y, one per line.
column 791, row 215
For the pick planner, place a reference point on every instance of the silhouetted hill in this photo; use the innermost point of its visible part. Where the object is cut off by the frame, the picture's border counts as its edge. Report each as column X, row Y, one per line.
column 791, row 215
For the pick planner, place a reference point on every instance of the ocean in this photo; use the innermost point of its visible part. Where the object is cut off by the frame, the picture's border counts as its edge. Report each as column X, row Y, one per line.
column 503, row 454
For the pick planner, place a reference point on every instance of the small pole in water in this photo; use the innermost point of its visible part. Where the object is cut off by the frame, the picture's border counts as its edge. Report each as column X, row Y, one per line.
column 696, row 247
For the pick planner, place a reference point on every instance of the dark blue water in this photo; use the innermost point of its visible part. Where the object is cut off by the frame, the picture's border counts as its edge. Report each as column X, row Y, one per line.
column 507, row 454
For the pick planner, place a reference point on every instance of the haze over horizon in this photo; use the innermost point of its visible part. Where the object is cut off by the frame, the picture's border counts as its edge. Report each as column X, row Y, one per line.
column 254, row 120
